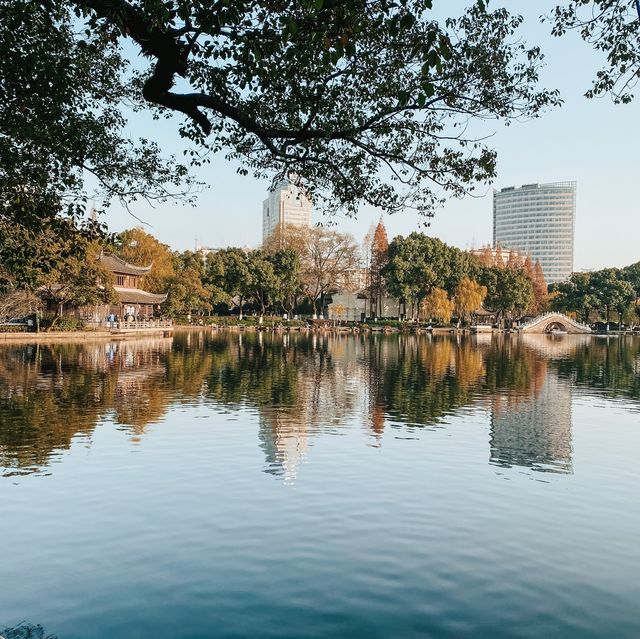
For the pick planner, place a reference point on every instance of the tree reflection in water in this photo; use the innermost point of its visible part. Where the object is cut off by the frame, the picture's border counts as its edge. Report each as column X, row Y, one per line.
column 25, row 631
column 302, row 385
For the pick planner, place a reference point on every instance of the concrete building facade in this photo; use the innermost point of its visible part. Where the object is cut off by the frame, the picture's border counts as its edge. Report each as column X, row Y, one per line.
column 286, row 204
column 538, row 220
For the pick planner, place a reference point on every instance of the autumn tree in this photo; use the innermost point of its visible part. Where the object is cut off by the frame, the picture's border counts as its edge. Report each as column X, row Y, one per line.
column 140, row 248
column 498, row 256
column 328, row 263
column 437, row 305
column 540, row 288
column 485, row 256
column 513, row 261
column 379, row 257
column 469, row 296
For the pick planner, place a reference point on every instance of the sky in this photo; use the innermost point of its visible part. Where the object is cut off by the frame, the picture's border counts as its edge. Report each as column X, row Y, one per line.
column 594, row 142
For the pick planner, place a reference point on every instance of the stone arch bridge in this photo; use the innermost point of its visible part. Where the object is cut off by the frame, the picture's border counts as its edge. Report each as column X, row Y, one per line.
column 554, row 322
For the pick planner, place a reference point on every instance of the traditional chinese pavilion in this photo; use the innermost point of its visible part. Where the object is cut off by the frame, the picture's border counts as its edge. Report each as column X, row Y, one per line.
column 133, row 302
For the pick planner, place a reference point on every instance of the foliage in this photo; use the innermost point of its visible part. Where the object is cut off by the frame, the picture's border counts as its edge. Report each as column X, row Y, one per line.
column 361, row 101
column 603, row 291
column 140, row 248
column 612, row 27
column 631, row 274
column 186, row 290
column 576, row 295
column 328, row 262
column 418, row 263
column 17, row 304
column 379, row 258
column 540, row 289
column 612, row 292
column 63, row 136
column 263, row 278
column 77, row 280
column 437, row 305
column 508, row 289
column 469, row 296
column 62, row 268
column 287, row 266
column 237, row 281
column 64, row 323
column 27, row 255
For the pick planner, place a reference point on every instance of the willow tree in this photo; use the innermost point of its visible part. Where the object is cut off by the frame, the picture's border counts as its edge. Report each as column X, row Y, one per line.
column 469, row 297
column 437, row 305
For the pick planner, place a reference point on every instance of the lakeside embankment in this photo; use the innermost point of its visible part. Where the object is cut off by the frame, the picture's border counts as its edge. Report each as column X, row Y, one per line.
column 89, row 336
column 78, row 336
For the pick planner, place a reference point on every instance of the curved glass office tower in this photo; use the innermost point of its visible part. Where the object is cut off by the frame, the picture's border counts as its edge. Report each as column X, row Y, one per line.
column 538, row 220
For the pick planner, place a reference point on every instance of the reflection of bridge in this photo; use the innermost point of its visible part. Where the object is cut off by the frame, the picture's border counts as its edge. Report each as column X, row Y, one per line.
column 552, row 322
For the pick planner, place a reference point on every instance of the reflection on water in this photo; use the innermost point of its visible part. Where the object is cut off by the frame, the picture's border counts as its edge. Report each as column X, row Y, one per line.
column 25, row 631
column 534, row 431
column 312, row 486
column 303, row 386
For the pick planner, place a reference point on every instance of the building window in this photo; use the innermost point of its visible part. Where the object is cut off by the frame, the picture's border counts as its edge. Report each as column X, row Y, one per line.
column 119, row 280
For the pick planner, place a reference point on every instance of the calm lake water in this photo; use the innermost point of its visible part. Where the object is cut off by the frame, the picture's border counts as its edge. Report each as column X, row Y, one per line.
column 225, row 485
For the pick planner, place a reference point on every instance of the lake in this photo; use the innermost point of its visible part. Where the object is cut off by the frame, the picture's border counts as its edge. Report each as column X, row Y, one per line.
column 260, row 485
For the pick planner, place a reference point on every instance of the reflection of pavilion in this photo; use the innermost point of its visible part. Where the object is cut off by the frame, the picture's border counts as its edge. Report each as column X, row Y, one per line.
column 534, row 431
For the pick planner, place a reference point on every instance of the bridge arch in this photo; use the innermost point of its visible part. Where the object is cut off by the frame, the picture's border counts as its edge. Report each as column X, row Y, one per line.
column 550, row 322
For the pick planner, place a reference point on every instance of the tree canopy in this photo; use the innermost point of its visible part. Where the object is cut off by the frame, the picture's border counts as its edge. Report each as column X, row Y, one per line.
column 364, row 101
column 64, row 98
column 612, row 27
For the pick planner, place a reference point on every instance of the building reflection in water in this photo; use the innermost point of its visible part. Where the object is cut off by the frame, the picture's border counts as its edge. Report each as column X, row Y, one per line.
column 304, row 386
column 535, row 431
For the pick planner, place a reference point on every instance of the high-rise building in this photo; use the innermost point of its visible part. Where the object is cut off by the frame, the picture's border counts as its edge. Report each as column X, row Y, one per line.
column 286, row 204
column 538, row 220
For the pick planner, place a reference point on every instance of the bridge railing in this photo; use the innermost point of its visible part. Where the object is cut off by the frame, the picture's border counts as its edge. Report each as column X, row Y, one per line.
column 546, row 316
column 142, row 324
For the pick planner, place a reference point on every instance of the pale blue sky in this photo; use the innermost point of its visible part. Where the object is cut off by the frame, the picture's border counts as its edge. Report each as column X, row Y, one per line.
column 593, row 142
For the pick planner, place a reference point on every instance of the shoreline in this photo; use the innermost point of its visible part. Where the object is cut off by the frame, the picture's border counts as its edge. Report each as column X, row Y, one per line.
column 89, row 336
column 80, row 336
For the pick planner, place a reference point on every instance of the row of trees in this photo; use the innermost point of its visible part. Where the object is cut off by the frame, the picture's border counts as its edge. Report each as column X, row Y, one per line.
column 295, row 270
column 596, row 295
column 59, row 264
column 434, row 280
column 299, row 268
